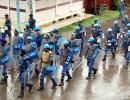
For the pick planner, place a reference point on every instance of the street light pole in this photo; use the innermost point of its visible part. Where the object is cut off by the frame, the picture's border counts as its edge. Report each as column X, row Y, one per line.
column 18, row 14
column 9, row 8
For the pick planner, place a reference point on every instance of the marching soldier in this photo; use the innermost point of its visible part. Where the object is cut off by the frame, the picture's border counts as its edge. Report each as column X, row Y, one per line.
column 7, row 27
column 4, row 59
column 111, row 44
column 38, row 36
column 82, row 27
column 67, row 55
column 27, row 32
column 127, row 48
column 17, row 44
column 57, row 40
column 45, row 60
column 116, row 29
column 24, row 67
column 92, row 51
column 32, row 22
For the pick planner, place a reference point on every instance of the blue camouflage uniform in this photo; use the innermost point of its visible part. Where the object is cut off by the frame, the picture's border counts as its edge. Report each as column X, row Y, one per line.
column 79, row 35
column 38, row 36
column 110, row 44
column 57, row 40
column 126, row 47
column 24, row 67
column 27, row 32
column 125, row 21
column 67, row 56
column 4, row 59
column 8, row 30
column 116, row 29
column 32, row 22
column 92, row 50
column 121, row 8
column 17, row 43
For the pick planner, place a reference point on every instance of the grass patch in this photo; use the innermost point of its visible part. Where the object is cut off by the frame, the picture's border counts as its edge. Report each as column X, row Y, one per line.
column 87, row 22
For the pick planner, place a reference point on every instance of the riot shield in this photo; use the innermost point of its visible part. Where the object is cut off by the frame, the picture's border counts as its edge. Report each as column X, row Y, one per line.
column 31, row 50
column 4, row 56
column 76, row 48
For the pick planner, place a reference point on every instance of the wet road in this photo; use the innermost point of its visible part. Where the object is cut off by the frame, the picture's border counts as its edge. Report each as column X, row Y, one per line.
column 111, row 83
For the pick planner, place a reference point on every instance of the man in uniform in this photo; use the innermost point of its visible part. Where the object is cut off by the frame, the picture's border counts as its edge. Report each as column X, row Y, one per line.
column 121, row 8
column 7, row 27
column 24, row 67
column 38, row 36
column 45, row 60
column 116, row 29
column 32, row 22
column 92, row 51
column 17, row 44
column 57, row 40
column 27, row 32
column 67, row 56
column 110, row 44
column 127, row 48
column 4, row 59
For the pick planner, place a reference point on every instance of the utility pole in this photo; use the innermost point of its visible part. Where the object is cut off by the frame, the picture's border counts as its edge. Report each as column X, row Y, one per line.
column 9, row 7
column 30, row 7
column 18, row 14
column 56, row 8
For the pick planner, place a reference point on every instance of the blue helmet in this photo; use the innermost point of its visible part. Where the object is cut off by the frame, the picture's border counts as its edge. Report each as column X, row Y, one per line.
column 73, row 34
column 96, row 25
column 46, row 46
column 109, row 30
column 29, row 38
column 91, row 39
column 126, row 17
column 95, row 19
column 48, row 34
column 66, row 43
column 77, row 28
column 115, row 22
column 27, row 24
column 128, row 32
column 128, row 25
column 55, row 30
column 80, row 21
column 17, row 30
column 37, row 28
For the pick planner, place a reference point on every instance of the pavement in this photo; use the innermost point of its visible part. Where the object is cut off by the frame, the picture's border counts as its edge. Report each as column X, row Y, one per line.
column 111, row 83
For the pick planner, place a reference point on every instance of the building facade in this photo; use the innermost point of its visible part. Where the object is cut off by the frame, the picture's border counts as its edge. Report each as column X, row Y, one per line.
column 91, row 5
column 42, row 9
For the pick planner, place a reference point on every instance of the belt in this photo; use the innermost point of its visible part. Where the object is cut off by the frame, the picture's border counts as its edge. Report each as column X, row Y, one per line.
column 44, row 62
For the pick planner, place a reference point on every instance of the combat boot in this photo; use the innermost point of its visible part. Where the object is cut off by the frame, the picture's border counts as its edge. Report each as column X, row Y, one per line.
column 113, row 55
column 30, row 86
column 4, row 80
column 62, row 81
column 54, row 83
column 69, row 78
column 41, row 88
column 95, row 71
column 21, row 93
column 89, row 76
column 104, row 58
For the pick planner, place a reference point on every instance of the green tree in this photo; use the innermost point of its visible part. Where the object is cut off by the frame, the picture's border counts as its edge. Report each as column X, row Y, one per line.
column 115, row 4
